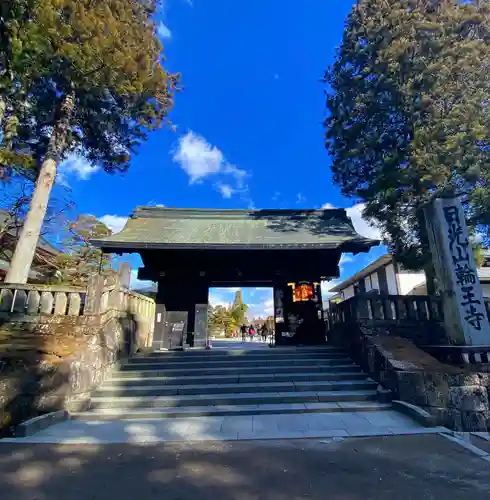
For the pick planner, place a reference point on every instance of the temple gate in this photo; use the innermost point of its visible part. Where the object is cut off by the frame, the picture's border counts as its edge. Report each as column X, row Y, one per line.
column 187, row 251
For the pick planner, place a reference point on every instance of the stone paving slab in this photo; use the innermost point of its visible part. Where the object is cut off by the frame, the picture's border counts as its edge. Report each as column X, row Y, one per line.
column 223, row 428
column 421, row 467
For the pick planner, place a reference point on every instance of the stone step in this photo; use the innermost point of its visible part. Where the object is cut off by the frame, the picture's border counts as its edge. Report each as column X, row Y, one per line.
column 237, row 364
column 215, row 389
column 231, row 399
column 354, row 373
column 223, row 410
column 235, row 371
column 246, row 350
column 249, row 357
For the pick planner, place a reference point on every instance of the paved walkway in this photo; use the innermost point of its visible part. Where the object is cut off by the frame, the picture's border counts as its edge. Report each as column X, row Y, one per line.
column 426, row 467
column 234, row 344
column 230, row 428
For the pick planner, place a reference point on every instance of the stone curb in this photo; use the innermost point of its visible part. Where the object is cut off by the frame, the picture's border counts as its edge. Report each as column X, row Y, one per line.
column 463, row 440
column 36, row 424
column 421, row 416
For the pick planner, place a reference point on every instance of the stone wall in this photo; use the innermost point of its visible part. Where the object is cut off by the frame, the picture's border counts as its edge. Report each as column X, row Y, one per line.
column 54, row 361
column 457, row 397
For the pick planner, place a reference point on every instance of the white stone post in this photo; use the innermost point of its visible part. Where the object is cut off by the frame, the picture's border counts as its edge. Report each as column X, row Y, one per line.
column 465, row 316
column 124, row 273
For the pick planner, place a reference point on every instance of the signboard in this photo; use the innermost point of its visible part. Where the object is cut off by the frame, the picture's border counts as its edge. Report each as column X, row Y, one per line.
column 465, row 316
column 304, row 291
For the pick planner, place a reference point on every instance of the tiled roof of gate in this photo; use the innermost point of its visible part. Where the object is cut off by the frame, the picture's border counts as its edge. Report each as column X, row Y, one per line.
column 151, row 227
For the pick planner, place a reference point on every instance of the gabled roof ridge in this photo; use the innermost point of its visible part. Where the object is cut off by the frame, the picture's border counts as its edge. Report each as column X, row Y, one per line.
column 146, row 211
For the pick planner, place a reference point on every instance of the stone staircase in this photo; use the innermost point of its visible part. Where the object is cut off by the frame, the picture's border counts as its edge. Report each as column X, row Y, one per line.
column 234, row 382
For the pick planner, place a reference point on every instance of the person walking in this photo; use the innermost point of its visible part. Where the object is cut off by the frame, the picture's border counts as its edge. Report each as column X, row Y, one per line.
column 251, row 333
column 243, row 331
column 264, row 332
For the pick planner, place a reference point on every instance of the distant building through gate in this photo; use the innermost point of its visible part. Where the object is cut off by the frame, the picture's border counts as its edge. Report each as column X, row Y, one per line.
column 187, row 251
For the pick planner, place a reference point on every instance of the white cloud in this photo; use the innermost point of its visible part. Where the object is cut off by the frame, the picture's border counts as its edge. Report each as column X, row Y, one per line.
column 226, row 289
column 326, row 286
column 153, row 203
column 226, row 190
column 269, row 307
column 250, row 203
column 237, row 173
column 75, row 165
column 300, row 198
column 217, row 301
column 200, row 160
column 346, row 258
column 197, row 157
column 114, row 222
column 137, row 284
column 261, row 310
column 222, row 296
column 361, row 225
column 163, row 31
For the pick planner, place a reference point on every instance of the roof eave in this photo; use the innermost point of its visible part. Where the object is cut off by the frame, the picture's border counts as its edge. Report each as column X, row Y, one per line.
column 354, row 246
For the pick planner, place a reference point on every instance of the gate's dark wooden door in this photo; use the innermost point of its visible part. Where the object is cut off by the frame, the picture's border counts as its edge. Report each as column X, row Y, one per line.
column 175, row 329
column 159, row 330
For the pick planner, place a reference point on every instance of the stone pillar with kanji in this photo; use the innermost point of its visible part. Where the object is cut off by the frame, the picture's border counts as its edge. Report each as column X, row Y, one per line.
column 465, row 316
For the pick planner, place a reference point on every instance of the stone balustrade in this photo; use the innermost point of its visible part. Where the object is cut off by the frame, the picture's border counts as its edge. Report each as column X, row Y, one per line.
column 33, row 300
column 59, row 343
column 102, row 295
column 419, row 318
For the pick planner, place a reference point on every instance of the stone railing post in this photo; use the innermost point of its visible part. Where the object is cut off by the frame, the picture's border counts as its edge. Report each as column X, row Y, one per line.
column 124, row 274
column 95, row 289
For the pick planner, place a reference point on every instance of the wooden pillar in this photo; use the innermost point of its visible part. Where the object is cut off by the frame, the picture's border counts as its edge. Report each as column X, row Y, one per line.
column 302, row 317
column 177, row 300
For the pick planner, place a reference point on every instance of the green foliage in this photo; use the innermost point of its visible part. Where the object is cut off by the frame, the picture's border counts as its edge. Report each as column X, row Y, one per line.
column 228, row 319
column 103, row 53
column 219, row 318
column 409, row 118
column 80, row 259
column 479, row 254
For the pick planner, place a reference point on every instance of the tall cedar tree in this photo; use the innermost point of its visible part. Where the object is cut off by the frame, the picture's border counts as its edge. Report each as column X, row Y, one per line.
column 238, row 308
column 409, row 114
column 87, row 78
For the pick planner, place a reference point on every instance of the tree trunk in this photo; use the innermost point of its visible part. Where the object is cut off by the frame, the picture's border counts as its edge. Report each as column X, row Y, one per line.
column 3, row 107
column 26, row 245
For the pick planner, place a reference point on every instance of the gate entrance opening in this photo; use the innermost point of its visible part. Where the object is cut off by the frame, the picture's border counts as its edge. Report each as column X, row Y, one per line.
column 230, row 308
column 187, row 251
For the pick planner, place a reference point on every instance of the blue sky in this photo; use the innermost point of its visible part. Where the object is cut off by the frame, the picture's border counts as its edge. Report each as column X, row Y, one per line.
column 248, row 120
